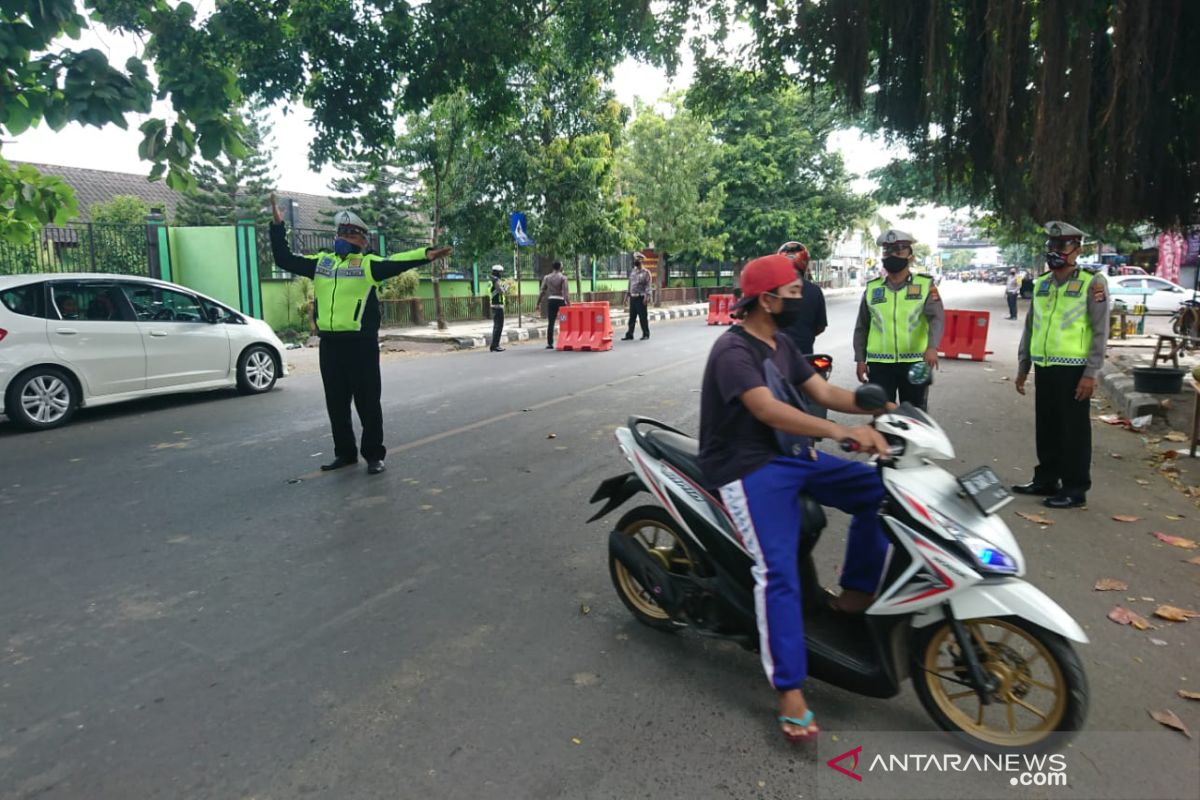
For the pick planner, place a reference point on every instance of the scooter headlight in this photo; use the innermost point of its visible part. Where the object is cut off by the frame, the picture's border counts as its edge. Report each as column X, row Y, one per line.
column 989, row 557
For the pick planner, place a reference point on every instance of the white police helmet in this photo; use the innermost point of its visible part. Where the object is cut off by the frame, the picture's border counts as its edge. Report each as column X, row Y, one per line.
column 497, row 269
column 348, row 219
column 894, row 236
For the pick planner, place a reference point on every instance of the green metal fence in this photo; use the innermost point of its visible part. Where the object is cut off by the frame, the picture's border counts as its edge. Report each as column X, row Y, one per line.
column 80, row 247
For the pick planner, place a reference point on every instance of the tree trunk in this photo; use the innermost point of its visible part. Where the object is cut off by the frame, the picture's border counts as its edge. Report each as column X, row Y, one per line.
column 435, row 272
column 578, row 285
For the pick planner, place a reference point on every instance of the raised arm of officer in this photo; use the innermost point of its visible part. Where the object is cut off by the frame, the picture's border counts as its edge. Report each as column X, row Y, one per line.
column 393, row 265
column 1097, row 310
column 935, row 314
column 285, row 259
column 861, row 326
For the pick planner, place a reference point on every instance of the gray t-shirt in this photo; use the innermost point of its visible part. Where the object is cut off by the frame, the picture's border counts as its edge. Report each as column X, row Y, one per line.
column 733, row 443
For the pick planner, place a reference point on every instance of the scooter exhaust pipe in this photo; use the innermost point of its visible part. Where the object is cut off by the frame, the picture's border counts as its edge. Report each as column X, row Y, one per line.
column 647, row 571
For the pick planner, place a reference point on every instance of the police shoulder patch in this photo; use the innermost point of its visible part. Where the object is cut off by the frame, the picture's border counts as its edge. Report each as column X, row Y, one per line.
column 327, row 261
column 914, row 291
column 933, row 293
column 1044, row 287
column 878, row 295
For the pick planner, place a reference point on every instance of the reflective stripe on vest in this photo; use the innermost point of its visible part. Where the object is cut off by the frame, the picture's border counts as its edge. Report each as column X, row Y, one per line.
column 899, row 331
column 341, row 287
column 1061, row 333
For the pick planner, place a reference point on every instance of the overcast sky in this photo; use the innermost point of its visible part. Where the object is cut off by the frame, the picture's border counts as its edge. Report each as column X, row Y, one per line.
column 111, row 148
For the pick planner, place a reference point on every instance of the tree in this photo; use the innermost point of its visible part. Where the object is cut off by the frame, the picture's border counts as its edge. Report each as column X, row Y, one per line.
column 381, row 193
column 356, row 65
column 121, row 209
column 1075, row 110
column 226, row 191
column 669, row 167
column 959, row 260
column 781, row 180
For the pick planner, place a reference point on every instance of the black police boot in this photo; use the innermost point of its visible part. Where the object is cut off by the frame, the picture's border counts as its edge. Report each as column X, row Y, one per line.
column 1065, row 501
column 497, row 349
column 375, row 467
column 1033, row 487
column 627, row 337
column 338, row 463
column 647, row 336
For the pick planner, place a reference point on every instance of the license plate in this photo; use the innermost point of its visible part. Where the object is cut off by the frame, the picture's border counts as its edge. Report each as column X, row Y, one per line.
column 984, row 488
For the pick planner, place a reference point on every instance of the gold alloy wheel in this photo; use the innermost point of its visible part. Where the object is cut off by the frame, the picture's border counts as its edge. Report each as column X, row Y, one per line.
column 1030, row 699
column 667, row 549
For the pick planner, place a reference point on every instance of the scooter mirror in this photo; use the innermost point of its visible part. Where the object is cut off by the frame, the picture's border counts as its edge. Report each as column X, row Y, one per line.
column 870, row 397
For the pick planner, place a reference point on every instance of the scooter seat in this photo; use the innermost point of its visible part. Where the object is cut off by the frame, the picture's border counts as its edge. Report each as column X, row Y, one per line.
column 683, row 452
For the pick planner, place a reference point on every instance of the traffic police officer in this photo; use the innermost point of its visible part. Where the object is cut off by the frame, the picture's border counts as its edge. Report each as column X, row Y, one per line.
column 347, row 317
column 497, row 301
column 900, row 323
column 1065, row 333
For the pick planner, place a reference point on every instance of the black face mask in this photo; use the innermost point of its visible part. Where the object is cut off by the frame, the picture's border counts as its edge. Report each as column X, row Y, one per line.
column 793, row 307
column 894, row 264
column 1055, row 260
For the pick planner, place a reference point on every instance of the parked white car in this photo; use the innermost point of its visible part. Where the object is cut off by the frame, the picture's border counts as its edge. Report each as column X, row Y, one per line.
column 72, row 340
column 1156, row 294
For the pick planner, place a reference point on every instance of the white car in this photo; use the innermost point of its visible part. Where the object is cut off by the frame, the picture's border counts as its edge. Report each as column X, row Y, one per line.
column 72, row 340
column 1156, row 294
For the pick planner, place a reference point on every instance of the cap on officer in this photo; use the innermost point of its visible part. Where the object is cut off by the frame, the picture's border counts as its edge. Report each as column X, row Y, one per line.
column 349, row 222
column 497, row 269
column 1063, row 230
column 638, row 257
column 894, row 236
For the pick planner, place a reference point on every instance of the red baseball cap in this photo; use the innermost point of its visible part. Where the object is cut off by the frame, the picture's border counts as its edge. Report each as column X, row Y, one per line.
column 765, row 274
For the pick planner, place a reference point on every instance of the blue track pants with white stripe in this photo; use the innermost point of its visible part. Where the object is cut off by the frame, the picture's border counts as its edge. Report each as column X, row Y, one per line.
column 765, row 508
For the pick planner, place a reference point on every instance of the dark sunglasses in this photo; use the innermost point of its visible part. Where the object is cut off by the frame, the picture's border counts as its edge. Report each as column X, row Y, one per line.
column 898, row 247
column 1061, row 245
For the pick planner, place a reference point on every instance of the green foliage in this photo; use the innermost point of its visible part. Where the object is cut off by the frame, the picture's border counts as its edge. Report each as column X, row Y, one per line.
column 669, row 168
column 29, row 200
column 226, row 190
column 121, row 209
column 401, row 287
column 380, row 192
column 958, row 260
column 782, row 182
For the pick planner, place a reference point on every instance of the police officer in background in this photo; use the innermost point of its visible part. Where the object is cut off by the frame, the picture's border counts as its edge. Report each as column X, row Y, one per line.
column 498, row 293
column 811, row 321
column 638, row 294
column 900, row 323
column 347, row 320
column 1065, row 333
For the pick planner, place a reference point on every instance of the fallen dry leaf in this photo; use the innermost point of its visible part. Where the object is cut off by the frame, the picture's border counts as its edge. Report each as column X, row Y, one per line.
column 1158, row 643
column 1141, row 482
column 1038, row 518
column 1111, row 585
column 1175, row 541
column 1174, row 517
column 1115, row 455
column 1176, row 436
column 1169, row 719
column 1125, row 518
column 1186, row 695
column 1123, row 616
column 551, row 435
column 1176, row 614
column 1195, row 560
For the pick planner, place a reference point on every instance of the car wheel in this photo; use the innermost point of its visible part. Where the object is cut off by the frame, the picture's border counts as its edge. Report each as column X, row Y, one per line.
column 42, row 398
column 257, row 370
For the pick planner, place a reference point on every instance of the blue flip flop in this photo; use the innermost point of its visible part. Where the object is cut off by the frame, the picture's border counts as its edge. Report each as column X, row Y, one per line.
column 802, row 722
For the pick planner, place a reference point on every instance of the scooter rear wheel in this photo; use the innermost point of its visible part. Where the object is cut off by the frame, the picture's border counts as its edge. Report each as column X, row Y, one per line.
column 1041, row 686
column 654, row 529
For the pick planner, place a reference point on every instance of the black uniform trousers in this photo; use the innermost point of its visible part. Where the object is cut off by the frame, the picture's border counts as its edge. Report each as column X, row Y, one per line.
column 350, row 372
column 894, row 380
column 552, row 307
column 497, row 325
column 1012, row 304
column 1063, row 430
column 637, row 313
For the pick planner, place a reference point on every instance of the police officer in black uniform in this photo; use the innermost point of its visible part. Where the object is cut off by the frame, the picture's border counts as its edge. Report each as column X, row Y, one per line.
column 347, row 320
column 498, row 292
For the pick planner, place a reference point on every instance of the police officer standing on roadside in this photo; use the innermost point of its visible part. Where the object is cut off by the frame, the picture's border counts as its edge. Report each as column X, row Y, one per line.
column 1066, row 330
column 638, row 294
column 347, row 319
column 498, row 292
column 900, row 323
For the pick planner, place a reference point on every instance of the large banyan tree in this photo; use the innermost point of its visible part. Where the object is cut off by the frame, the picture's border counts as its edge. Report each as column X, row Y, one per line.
column 1083, row 109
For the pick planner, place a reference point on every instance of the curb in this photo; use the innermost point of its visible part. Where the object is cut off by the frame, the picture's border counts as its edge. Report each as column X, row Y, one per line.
column 1118, row 385
column 533, row 332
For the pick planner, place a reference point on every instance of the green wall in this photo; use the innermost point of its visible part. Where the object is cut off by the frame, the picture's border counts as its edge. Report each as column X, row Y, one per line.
column 205, row 259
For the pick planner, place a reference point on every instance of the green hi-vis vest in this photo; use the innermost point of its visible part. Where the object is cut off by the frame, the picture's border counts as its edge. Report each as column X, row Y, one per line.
column 899, row 331
column 341, row 287
column 1061, row 333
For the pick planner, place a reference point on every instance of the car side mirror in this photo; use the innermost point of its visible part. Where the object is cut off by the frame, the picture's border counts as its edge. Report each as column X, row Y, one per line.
column 870, row 397
column 214, row 315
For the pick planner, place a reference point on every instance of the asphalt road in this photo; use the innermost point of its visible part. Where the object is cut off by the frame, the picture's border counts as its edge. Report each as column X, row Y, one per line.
column 189, row 609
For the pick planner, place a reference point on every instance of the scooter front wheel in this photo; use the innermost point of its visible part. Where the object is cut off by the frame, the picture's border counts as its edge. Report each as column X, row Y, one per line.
column 1040, row 686
column 653, row 529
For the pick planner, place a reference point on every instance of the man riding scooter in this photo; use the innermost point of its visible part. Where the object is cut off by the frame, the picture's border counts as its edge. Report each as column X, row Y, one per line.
column 756, row 447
